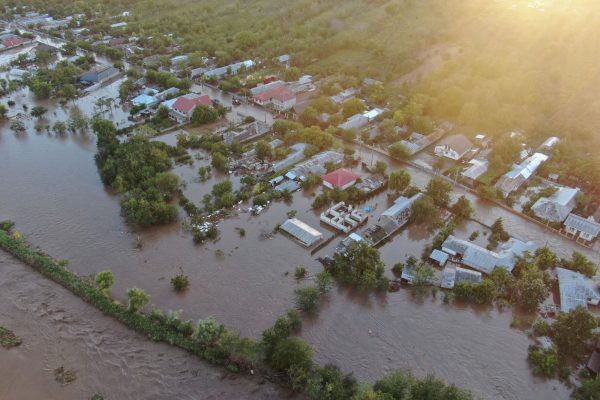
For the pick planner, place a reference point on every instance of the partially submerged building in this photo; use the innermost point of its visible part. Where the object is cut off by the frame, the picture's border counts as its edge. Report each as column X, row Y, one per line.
column 343, row 217
column 303, row 233
column 316, row 164
column 575, row 290
column 340, row 179
column 581, row 229
column 98, row 74
column 232, row 69
column 476, row 169
column 391, row 219
column 484, row 260
column 297, row 154
column 558, row 206
column 183, row 108
column 520, row 173
column 453, row 147
column 453, row 275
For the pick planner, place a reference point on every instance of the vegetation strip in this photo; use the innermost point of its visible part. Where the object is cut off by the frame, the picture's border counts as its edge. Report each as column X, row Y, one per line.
column 280, row 355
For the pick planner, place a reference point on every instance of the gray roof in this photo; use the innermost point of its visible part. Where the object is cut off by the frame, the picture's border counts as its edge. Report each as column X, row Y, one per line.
column 439, row 256
column 588, row 226
column 485, row 260
column 451, row 275
column 301, row 231
column 519, row 173
column 458, row 143
column 557, row 207
column 316, row 164
column 292, row 186
column 477, row 168
column 575, row 290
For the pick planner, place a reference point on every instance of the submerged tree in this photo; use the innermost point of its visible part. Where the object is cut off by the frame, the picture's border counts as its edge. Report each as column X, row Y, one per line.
column 137, row 299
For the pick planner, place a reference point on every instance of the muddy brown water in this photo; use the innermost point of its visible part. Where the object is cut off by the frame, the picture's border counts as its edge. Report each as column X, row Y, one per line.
column 60, row 330
column 49, row 185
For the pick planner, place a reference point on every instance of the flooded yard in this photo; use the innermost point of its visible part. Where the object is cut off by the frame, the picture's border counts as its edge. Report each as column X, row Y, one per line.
column 50, row 186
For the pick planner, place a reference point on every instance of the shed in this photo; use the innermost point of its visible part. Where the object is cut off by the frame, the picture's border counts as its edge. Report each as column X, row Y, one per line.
column 302, row 232
column 439, row 256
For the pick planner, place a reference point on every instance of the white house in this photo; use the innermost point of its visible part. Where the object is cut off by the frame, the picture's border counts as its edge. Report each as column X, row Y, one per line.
column 582, row 229
column 453, row 147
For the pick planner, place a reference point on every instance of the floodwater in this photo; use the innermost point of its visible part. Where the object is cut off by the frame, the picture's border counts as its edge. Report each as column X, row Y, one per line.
column 50, row 186
column 60, row 330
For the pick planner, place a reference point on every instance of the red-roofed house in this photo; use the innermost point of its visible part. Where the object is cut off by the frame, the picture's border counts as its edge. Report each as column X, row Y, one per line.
column 14, row 42
column 281, row 98
column 341, row 178
column 184, row 106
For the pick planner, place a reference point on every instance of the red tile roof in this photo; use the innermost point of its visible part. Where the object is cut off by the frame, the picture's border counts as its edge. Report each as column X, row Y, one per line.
column 280, row 93
column 13, row 42
column 340, row 177
column 184, row 104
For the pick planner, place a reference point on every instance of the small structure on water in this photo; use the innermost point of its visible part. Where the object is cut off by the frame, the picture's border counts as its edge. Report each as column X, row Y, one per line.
column 343, row 217
column 452, row 275
column 391, row 220
column 303, row 233
column 340, row 178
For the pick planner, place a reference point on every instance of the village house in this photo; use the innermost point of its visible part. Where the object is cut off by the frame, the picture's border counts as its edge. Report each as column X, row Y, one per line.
column 344, row 95
column 453, row 147
column 340, row 179
column 296, row 154
column 558, row 206
column 575, row 290
column 453, row 275
column 183, row 108
column 280, row 98
column 520, row 173
column 391, row 219
column 315, row 165
column 99, row 74
column 581, row 229
column 484, row 260
column 232, row 69
column 477, row 168
column 303, row 233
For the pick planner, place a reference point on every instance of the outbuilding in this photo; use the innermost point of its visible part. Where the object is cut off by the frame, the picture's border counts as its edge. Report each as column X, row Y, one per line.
column 341, row 178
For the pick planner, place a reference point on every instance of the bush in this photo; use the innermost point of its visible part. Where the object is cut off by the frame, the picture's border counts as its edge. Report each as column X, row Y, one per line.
column 180, row 282
column 397, row 269
column 137, row 299
column 105, row 280
column 307, row 299
column 545, row 362
column 300, row 272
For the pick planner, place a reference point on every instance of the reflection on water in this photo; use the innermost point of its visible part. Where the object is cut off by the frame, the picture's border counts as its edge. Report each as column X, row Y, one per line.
column 51, row 188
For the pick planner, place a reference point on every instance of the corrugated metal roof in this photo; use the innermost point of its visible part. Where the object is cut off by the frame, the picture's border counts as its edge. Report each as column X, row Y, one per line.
column 485, row 260
column 557, row 207
column 575, row 290
column 301, row 231
column 439, row 256
column 583, row 225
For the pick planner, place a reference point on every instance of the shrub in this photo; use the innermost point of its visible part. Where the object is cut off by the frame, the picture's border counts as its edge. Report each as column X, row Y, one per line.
column 300, row 272
column 137, row 299
column 105, row 280
column 180, row 282
column 307, row 299
column 545, row 362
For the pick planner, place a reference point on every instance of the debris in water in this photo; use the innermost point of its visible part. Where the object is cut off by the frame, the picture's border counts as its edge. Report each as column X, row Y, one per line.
column 64, row 376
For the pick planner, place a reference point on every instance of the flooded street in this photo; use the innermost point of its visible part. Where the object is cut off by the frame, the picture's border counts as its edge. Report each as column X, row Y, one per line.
column 60, row 330
column 50, row 187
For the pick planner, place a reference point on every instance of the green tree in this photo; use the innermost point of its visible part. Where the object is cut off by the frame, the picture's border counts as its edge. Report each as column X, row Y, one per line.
column 462, row 208
column 499, row 234
column 531, row 288
column 329, row 383
column 399, row 180
column 209, row 331
column 309, row 117
column 422, row 274
column 439, row 191
column 126, row 89
column 59, row 127
column 582, row 264
column 105, row 280
column 38, row 111
column 204, row 115
column 68, row 91
column 137, row 299
column 263, row 150
column 352, row 106
column 589, row 390
column 292, row 356
column 77, row 121
column 219, row 162
column 545, row 258
column 573, row 330
column 3, row 112
column 307, row 299
column 423, row 210
column 380, row 167
column 399, row 151
column 360, row 265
